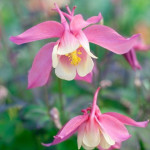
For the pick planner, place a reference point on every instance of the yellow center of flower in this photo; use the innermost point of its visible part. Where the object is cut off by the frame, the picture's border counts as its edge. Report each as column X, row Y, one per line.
column 74, row 58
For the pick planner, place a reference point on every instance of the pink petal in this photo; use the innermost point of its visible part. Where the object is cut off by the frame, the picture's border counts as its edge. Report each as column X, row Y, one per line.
column 84, row 42
column 48, row 29
column 58, row 140
column 78, row 22
column 127, row 121
column 68, row 130
column 132, row 59
column 95, row 19
column 41, row 67
column 141, row 46
column 116, row 146
column 110, row 39
column 68, row 43
column 87, row 78
column 113, row 127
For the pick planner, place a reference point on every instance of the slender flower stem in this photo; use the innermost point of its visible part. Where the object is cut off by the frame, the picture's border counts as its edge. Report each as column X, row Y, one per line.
column 94, row 103
column 46, row 98
column 61, row 97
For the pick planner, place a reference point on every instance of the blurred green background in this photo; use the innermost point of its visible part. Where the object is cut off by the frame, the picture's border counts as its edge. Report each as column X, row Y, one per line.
column 29, row 117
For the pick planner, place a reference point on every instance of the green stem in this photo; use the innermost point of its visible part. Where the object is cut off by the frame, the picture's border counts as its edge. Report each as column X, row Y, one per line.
column 46, row 98
column 61, row 97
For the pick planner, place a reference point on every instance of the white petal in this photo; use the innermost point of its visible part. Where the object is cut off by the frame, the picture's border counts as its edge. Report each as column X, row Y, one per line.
column 108, row 138
column 87, row 147
column 54, row 56
column 85, row 66
column 91, row 137
column 64, row 71
column 85, row 43
column 106, row 142
column 68, row 43
column 81, row 132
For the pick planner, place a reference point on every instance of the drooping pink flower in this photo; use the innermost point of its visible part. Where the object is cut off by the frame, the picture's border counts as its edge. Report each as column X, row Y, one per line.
column 70, row 55
column 131, row 55
column 95, row 129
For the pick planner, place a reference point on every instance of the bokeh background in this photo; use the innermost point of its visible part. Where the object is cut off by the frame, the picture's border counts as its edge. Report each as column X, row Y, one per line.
column 29, row 117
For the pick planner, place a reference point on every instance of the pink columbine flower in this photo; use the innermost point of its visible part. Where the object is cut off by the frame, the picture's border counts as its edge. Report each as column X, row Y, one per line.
column 95, row 129
column 131, row 55
column 70, row 55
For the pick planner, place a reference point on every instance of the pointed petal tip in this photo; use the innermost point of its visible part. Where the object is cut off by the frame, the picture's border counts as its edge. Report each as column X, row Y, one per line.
column 125, row 138
column 100, row 16
column 135, row 68
column 136, row 36
column 96, row 93
column 14, row 40
column 11, row 38
column 98, row 89
column 47, row 145
column 140, row 67
column 128, row 137
column 29, row 87
column 74, row 6
column 144, row 124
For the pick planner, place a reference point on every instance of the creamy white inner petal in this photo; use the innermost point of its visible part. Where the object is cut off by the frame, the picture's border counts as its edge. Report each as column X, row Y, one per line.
column 55, row 56
column 85, row 66
column 91, row 136
column 106, row 141
column 68, row 44
column 108, row 138
column 87, row 147
column 66, row 72
column 85, row 43
column 81, row 131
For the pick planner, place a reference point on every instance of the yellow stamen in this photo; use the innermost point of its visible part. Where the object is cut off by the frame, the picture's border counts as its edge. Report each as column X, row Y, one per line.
column 74, row 58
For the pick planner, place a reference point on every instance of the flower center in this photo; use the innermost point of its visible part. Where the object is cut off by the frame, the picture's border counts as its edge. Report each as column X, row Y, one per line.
column 74, row 58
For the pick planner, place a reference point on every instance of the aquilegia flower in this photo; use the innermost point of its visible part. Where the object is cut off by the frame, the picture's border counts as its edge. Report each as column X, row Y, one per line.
column 131, row 55
column 96, row 129
column 70, row 55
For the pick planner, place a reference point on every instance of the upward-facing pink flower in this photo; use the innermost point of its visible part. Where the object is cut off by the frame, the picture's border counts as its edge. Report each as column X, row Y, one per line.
column 131, row 55
column 96, row 129
column 70, row 55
